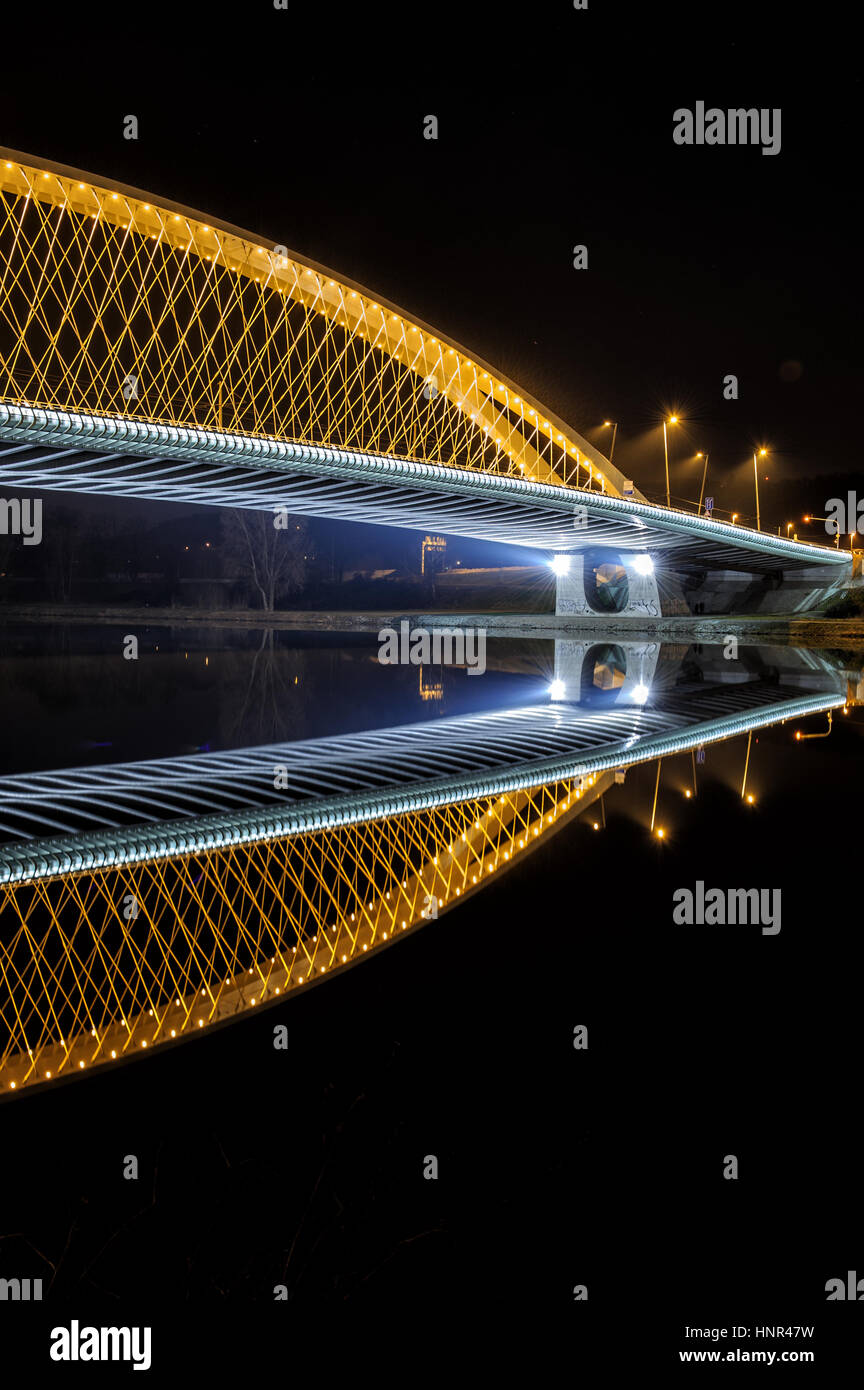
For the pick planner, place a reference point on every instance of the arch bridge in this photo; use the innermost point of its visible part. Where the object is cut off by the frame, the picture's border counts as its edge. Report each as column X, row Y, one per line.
column 148, row 350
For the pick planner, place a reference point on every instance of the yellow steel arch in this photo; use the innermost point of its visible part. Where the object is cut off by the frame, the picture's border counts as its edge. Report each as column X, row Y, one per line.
column 116, row 302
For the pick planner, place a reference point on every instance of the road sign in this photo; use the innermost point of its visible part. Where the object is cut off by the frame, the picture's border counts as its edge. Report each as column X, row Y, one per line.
column 627, row 487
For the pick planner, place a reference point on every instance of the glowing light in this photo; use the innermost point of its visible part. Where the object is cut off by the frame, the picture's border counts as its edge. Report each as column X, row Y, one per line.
column 640, row 694
column 557, row 690
column 560, row 565
column 643, row 564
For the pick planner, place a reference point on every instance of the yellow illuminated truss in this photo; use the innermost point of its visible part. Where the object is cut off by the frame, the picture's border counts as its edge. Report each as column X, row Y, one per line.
column 113, row 302
column 98, row 966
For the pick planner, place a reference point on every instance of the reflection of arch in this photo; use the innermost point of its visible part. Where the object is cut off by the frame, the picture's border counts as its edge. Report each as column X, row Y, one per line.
column 260, row 920
column 607, row 587
column 604, row 671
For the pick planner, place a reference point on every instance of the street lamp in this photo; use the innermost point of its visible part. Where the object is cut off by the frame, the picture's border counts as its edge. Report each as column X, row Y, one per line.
column 673, row 420
column 704, row 475
column 762, row 453
column 789, row 525
column 808, row 519
column 613, row 424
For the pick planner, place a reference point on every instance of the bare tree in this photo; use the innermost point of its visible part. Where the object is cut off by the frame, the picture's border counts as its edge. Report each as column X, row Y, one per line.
column 271, row 557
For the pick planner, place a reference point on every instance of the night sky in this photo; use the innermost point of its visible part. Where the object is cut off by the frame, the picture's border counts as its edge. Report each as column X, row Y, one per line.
column 555, row 130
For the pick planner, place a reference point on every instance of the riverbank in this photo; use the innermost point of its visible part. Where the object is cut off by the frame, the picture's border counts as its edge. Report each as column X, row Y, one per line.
column 816, row 631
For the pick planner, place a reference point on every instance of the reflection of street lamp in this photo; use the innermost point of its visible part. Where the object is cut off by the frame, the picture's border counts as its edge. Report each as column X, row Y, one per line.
column 746, row 766
column 614, row 427
column 673, row 420
column 799, row 736
column 704, row 475
column 656, row 790
column 762, row 452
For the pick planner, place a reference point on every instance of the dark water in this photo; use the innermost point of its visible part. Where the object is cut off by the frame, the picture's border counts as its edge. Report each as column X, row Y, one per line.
column 73, row 700
column 557, row 1167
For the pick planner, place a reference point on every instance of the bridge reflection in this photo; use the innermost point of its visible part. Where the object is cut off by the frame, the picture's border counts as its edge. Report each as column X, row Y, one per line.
column 146, row 902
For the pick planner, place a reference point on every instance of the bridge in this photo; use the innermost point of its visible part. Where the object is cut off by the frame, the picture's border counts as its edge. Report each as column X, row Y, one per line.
column 147, row 350
column 144, row 902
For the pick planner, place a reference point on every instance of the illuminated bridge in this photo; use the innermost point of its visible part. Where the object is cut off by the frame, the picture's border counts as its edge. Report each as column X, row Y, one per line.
column 147, row 350
column 143, row 902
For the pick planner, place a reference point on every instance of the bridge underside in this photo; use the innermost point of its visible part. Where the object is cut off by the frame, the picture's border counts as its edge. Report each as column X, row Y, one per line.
column 628, row 557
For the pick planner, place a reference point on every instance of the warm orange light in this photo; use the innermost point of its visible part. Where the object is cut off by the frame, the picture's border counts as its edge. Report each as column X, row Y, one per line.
column 673, row 419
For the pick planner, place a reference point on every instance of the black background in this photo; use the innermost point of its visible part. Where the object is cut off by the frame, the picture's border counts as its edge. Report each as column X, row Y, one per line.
column 557, row 1167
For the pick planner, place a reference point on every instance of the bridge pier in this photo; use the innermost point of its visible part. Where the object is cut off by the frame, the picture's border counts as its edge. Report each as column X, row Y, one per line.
column 641, row 595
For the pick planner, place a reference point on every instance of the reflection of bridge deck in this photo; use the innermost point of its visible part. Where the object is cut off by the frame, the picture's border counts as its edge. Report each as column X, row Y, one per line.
column 130, row 936
column 81, row 818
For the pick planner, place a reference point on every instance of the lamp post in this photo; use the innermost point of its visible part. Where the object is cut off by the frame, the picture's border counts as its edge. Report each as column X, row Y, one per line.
column 809, row 518
column 614, row 426
column 673, row 420
column 704, row 476
column 762, row 452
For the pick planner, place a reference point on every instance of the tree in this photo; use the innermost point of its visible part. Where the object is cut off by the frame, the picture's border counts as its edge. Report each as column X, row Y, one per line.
column 268, row 549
